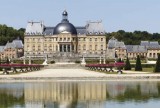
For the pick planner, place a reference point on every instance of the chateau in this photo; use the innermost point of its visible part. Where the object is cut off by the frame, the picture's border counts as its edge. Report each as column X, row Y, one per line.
column 12, row 49
column 64, row 39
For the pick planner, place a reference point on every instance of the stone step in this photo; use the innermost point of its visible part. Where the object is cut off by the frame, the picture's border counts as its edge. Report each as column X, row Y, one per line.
column 64, row 66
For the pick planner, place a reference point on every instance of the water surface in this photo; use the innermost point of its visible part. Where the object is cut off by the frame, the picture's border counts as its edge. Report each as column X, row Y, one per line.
column 86, row 94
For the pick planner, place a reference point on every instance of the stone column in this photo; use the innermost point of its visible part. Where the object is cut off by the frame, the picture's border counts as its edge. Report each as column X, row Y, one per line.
column 104, row 62
column 58, row 48
column 66, row 48
column 70, row 48
column 24, row 61
column 100, row 61
column 29, row 60
column 62, row 48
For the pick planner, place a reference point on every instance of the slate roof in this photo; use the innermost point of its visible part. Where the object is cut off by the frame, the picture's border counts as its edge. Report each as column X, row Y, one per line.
column 18, row 43
column 120, row 45
column 48, row 31
column 150, row 44
column 112, row 43
column 95, row 28
column 14, row 44
column 81, row 30
column 91, row 28
column 34, row 28
column 2, row 48
column 9, row 45
column 136, row 49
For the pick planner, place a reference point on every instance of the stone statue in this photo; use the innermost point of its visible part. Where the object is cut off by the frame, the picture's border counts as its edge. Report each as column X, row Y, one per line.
column 29, row 59
column 45, row 62
column 24, row 60
column 83, row 62
column 100, row 61
column 104, row 60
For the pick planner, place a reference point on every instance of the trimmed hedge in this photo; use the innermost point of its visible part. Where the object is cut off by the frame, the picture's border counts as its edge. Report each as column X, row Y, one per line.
column 52, row 62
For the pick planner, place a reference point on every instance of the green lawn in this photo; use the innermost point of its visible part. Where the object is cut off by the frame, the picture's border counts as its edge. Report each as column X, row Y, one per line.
column 145, row 69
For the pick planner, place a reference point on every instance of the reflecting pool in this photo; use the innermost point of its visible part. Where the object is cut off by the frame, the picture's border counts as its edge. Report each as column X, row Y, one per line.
column 85, row 94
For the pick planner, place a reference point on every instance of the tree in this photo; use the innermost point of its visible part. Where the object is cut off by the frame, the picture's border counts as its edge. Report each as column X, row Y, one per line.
column 7, row 60
column 157, row 66
column 138, row 66
column 127, row 65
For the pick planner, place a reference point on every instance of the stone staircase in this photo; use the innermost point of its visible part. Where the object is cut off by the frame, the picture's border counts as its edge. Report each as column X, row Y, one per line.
column 64, row 66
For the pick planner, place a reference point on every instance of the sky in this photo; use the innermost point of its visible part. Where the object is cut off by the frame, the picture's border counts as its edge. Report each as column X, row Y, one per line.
column 128, row 15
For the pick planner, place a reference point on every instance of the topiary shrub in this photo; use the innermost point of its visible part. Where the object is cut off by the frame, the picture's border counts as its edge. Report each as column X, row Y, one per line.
column 52, row 62
column 157, row 66
column 77, row 61
column 138, row 66
column 127, row 65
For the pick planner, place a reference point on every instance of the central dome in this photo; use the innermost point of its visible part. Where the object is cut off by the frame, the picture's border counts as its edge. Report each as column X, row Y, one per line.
column 65, row 26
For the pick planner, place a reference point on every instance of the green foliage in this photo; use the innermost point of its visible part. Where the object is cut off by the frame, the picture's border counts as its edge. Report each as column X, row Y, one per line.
column 9, row 34
column 37, row 61
column 7, row 60
column 128, row 65
column 77, row 61
column 138, row 66
column 52, row 62
column 157, row 66
column 133, row 38
column 18, row 61
column 119, row 60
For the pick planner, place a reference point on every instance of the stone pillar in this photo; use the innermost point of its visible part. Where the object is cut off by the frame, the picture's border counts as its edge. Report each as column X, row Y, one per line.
column 66, row 48
column 70, row 48
column 104, row 60
column 24, row 61
column 100, row 61
column 29, row 60
column 62, row 48
column 58, row 48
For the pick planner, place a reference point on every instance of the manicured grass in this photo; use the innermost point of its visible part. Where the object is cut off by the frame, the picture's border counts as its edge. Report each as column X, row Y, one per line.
column 145, row 69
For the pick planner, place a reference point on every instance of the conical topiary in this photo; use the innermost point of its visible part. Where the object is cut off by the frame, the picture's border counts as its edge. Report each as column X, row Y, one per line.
column 127, row 65
column 119, row 60
column 157, row 66
column 138, row 66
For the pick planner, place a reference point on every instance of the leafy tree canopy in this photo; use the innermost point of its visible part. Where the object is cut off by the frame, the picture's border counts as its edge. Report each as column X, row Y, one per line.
column 133, row 38
column 9, row 34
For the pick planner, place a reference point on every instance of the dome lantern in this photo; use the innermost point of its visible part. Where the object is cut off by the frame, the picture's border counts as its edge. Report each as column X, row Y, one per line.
column 65, row 16
column 65, row 26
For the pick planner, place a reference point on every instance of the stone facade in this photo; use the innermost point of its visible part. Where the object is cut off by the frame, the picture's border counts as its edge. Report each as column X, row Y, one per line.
column 64, row 39
column 146, row 49
column 12, row 49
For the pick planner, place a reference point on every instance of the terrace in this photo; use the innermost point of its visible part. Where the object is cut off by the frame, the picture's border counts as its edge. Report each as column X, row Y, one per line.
column 106, row 67
column 7, row 68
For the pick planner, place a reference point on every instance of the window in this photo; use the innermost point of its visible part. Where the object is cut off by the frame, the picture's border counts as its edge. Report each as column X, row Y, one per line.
column 95, row 47
column 154, row 55
column 84, row 47
column 79, row 47
column 84, row 39
column 95, row 39
column 150, row 54
column 101, row 47
column 101, row 39
column 90, row 47
column 68, row 39
column 90, row 39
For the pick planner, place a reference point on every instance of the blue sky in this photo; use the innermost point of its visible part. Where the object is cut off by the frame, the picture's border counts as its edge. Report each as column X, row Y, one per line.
column 128, row 15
